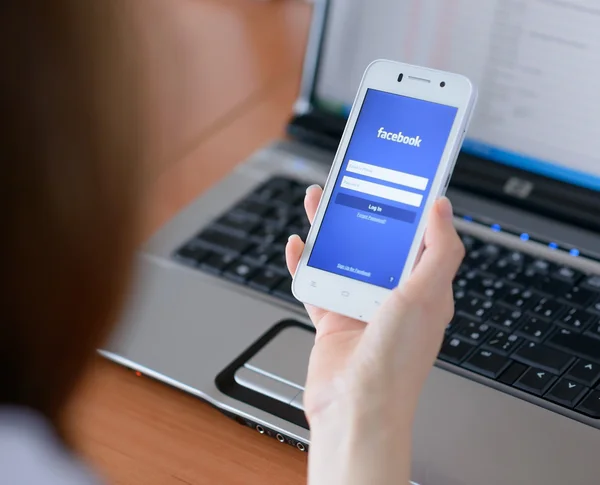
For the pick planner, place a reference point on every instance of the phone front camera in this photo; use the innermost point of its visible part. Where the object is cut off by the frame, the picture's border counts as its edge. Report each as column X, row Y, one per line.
column 442, row 84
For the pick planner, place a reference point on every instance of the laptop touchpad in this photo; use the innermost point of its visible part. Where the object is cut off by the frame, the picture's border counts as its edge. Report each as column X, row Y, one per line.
column 273, row 368
column 285, row 358
column 278, row 370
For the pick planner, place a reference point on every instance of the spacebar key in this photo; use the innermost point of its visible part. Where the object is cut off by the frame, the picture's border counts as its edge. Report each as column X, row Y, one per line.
column 580, row 345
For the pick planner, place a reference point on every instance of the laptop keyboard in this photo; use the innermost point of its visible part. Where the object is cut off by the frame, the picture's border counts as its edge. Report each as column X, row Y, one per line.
column 247, row 244
column 523, row 322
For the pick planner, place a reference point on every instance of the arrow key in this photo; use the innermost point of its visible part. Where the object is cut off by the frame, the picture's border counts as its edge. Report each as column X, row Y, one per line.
column 591, row 405
column 566, row 392
column 585, row 372
column 535, row 381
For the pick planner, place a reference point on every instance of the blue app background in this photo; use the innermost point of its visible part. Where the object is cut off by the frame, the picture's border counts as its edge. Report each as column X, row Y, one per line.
column 349, row 243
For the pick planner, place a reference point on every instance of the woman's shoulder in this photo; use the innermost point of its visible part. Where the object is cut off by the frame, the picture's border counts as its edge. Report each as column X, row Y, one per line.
column 31, row 453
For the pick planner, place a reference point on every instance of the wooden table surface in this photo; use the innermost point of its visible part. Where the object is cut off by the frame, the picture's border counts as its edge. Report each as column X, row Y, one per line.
column 220, row 70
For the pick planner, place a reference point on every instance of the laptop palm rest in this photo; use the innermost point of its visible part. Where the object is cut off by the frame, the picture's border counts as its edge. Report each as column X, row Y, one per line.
column 271, row 373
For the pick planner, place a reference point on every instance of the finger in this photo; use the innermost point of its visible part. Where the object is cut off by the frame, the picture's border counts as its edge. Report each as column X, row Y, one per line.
column 311, row 201
column 442, row 256
column 293, row 253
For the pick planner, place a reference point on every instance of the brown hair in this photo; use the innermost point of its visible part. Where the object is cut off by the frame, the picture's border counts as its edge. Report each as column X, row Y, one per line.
column 70, row 143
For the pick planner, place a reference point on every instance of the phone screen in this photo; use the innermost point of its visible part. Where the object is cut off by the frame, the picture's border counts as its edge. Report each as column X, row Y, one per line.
column 379, row 195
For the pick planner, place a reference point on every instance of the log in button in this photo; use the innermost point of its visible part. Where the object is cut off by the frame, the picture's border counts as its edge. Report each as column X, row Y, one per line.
column 375, row 208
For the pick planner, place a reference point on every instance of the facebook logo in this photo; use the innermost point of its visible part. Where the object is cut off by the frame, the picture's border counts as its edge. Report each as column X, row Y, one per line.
column 414, row 141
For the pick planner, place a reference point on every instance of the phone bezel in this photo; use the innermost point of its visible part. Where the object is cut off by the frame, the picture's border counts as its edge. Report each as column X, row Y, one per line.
column 344, row 295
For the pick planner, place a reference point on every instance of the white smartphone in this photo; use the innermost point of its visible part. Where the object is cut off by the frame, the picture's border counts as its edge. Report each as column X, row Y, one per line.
column 395, row 159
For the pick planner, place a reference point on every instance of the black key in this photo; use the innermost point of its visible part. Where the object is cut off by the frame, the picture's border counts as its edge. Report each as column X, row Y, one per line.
column 216, row 263
column 502, row 268
column 464, row 283
column 475, row 257
column 521, row 298
column 280, row 243
column 253, row 208
column 265, row 280
column 590, row 406
column 471, row 330
column 527, row 278
column 278, row 263
column 220, row 241
column 472, row 275
column 293, row 196
column 592, row 282
column 537, row 355
column 459, row 294
column 470, row 242
column 535, row 381
column 462, row 269
column 193, row 254
column 265, row 235
column 282, row 183
column 580, row 345
column 503, row 342
column 237, row 224
column 576, row 320
column 594, row 329
column 279, row 217
column 517, row 258
column 491, row 288
column 491, row 250
column 486, row 362
column 455, row 350
column 553, row 286
column 585, row 372
column 504, row 317
column 579, row 296
column 490, row 254
column 510, row 375
column 259, row 255
column 532, row 328
column 452, row 325
column 595, row 307
column 284, row 291
column 548, row 308
column 567, row 274
column 240, row 271
column 566, row 392
column 272, row 187
column 542, row 266
column 474, row 307
column 266, row 193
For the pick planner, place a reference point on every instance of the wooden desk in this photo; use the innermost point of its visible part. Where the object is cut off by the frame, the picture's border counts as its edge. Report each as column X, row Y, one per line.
column 221, row 69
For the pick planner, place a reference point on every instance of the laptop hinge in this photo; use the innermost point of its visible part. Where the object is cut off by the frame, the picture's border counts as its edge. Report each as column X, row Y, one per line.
column 317, row 129
column 530, row 192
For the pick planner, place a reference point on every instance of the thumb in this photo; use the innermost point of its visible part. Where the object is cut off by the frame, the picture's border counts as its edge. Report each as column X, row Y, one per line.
column 443, row 254
column 428, row 291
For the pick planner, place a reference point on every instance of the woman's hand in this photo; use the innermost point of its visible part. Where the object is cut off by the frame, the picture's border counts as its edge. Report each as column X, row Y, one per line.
column 364, row 380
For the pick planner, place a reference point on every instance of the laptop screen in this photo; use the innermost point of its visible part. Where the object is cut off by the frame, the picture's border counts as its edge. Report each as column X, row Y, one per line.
column 536, row 63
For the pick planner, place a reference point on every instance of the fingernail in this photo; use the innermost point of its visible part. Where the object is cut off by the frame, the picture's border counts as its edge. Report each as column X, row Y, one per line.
column 313, row 186
column 445, row 208
column 293, row 236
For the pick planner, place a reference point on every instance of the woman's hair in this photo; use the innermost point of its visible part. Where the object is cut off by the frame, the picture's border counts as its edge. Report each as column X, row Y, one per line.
column 70, row 148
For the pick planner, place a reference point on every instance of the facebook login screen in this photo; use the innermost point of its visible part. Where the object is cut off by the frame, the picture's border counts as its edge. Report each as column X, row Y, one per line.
column 380, row 192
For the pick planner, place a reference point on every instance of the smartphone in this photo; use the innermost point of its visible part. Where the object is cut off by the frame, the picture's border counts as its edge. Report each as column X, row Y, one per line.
column 395, row 158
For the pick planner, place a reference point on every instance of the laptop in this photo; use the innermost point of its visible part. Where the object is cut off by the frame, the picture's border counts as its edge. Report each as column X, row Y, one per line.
column 515, row 396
